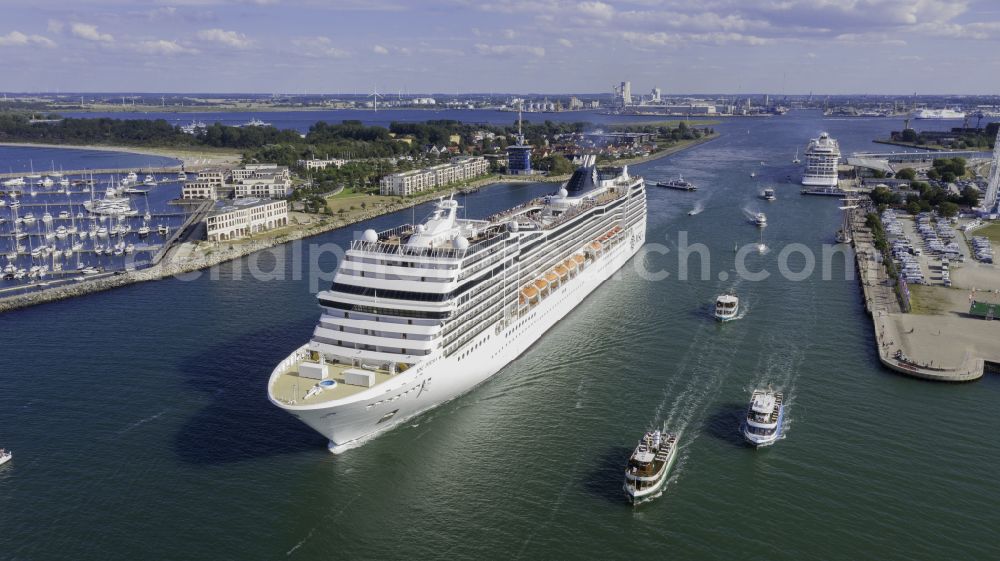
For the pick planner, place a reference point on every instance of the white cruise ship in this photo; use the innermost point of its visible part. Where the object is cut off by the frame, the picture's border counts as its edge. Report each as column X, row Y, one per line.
column 421, row 314
column 938, row 114
column 822, row 157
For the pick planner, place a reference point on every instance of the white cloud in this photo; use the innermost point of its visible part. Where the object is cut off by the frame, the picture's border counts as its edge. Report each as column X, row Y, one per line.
column 565, row 42
column 318, row 47
column 55, row 26
column 380, row 50
column 506, row 50
column 598, row 10
column 90, row 33
column 232, row 39
column 163, row 47
column 18, row 39
column 509, row 33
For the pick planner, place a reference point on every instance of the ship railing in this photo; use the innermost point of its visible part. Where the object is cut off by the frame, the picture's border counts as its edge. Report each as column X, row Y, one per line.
column 404, row 250
column 398, row 231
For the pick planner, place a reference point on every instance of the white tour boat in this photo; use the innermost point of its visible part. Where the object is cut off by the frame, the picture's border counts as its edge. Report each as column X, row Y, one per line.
column 762, row 425
column 649, row 465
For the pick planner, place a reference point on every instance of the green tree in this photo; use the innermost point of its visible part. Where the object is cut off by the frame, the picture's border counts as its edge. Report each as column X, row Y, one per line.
column 884, row 196
column 559, row 165
column 970, row 196
column 948, row 209
column 908, row 135
column 907, row 174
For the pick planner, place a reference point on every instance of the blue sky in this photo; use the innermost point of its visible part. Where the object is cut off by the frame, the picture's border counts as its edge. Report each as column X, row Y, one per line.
column 541, row 46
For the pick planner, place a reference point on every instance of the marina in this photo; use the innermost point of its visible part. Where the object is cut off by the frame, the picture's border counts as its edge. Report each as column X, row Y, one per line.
column 84, row 226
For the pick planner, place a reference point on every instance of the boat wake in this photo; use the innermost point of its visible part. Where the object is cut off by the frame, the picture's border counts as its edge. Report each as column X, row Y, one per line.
column 141, row 422
column 700, row 373
column 698, row 208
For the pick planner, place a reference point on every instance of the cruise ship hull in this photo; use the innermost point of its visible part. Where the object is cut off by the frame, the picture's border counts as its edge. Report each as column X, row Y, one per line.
column 817, row 181
column 350, row 423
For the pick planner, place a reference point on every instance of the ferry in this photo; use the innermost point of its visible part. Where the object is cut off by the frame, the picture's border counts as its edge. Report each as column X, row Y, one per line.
column 762, row 425
column 680, row 184
column 420, row 314
column 768, row 195
column 822, row 158
column 649, row 465
column 760, row 220
column 727, row 307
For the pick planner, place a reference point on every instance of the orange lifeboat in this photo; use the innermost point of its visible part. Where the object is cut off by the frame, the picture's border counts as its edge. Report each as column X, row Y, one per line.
column 561, row 271
column 540, row 284
column 569, row 264
column 529, row 292
column 580, row 259
column 596, row 246
column 551, row 277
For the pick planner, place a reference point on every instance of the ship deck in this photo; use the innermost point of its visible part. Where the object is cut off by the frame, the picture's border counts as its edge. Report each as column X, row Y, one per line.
column 290, row 387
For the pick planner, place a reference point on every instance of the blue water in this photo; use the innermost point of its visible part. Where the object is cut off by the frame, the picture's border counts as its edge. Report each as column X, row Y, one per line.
column 141, row 427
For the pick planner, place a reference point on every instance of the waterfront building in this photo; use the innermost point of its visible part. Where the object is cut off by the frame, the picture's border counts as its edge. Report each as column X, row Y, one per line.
column 321, row 164
column 207, row 185
column 271, row 187
column 411, row 182
column 420, row 314
column 199, row 190
column 256, row 171
column 245, row 217
column 619, row 138
column 262, row 181
column 519, row 154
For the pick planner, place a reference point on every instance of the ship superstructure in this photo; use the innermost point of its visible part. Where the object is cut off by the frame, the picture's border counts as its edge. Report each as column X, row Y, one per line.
column 419, row 314
column 822, row 158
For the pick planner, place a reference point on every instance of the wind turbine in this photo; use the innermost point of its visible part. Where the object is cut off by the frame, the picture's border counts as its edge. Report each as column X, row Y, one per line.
column 375, row 95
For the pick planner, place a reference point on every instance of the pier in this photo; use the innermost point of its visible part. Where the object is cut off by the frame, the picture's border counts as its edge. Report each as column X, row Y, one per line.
column 885, row 309
column 100, row 171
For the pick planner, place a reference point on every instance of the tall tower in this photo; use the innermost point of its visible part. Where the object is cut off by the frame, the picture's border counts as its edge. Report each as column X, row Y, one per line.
column 626, row 93
column 990, row 202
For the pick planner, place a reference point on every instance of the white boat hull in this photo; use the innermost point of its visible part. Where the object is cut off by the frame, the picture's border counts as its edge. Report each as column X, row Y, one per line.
column 350, row 422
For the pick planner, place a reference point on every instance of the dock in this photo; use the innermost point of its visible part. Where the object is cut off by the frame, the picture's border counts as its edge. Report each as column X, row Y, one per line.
column 101, row 171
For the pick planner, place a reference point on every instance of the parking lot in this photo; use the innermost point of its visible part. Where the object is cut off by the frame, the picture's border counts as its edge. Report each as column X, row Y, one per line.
column 926, row 250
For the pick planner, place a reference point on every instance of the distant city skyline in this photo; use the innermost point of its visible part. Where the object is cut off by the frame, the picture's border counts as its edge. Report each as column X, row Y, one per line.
column 512, row 46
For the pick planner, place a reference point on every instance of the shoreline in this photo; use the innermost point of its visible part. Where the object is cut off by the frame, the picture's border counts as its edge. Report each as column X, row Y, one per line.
column 169, row 267
column 189, row 158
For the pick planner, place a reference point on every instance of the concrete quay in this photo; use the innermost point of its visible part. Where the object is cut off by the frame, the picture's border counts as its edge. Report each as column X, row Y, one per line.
column 893, row 342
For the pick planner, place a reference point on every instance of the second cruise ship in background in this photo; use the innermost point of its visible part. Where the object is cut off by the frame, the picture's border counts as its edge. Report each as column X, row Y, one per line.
column 822, row 157
column 420, row 314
